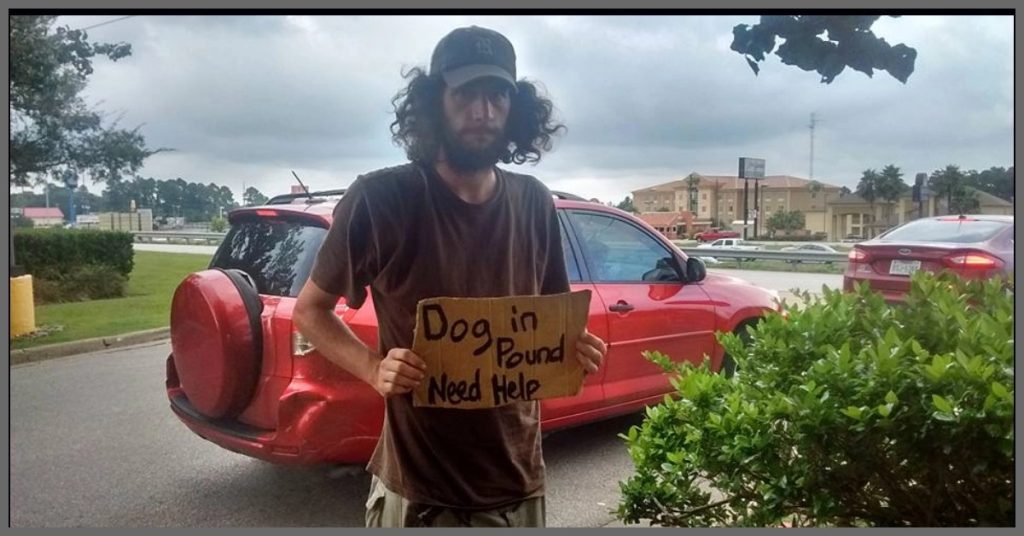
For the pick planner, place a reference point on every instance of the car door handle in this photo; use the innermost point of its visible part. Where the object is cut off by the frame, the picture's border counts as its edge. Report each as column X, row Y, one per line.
column 621, row 307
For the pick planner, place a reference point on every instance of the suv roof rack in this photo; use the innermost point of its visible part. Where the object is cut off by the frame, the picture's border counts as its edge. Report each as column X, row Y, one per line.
column 567, row 196
column 311, row 197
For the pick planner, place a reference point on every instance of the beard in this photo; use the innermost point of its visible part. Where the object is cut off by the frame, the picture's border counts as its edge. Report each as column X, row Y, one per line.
column 464, row 158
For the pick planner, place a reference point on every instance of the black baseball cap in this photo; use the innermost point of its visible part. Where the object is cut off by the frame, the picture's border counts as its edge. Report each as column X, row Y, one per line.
column 467, row 54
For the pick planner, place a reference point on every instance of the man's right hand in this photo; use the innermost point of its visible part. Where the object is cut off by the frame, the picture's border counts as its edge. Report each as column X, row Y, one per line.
column 399, row 372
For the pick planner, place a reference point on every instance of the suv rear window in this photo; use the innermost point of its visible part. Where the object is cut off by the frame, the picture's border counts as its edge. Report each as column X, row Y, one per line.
column 278, row 254
column 952, row 231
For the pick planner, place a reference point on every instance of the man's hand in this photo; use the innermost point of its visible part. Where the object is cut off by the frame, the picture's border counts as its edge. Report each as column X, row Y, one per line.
column 399, row 372
column 590, row 351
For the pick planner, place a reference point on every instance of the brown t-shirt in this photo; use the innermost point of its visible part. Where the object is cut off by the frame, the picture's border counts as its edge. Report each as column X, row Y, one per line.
column 404, row 233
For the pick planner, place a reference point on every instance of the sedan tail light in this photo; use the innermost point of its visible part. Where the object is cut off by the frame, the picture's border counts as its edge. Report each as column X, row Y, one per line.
column 973, row 261
column 858, row 255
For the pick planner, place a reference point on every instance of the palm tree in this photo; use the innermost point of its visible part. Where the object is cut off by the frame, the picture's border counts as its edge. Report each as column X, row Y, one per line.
column 867, row 188
column 692, row 182
column 890, row 184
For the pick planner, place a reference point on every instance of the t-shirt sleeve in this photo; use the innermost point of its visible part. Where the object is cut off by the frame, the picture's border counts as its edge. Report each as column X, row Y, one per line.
column 347, row 260
column 556, row 278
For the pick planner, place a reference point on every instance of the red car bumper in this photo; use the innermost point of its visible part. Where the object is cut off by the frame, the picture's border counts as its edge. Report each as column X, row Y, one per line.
column 315, row 424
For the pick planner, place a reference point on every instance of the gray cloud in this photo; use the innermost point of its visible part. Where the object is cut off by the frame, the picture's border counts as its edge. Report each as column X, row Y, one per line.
column 647, row 99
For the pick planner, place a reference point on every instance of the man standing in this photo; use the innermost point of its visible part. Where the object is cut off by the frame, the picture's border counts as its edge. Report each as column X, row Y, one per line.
column 448, row 223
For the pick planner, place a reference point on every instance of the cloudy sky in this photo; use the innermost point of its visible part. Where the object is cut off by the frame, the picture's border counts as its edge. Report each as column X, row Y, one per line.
column 647, row 99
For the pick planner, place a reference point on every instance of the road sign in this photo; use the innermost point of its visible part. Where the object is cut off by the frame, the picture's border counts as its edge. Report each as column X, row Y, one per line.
column 751, row 168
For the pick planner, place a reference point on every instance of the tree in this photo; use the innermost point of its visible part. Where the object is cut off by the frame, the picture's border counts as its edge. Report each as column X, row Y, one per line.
column 868, row 188
column 692, row 183
column 785, row 221
column 844, row 191
column 252, row 197
column 997, row 181
column 890, row 184
column 952, row 183
column 52, row 130
column 627, row 205
column 847, row 42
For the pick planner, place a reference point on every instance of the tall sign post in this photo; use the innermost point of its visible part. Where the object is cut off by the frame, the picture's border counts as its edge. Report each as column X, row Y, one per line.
column 750, row 168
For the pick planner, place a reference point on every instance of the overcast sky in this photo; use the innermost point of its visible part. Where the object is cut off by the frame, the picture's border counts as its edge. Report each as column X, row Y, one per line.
column 647, row 99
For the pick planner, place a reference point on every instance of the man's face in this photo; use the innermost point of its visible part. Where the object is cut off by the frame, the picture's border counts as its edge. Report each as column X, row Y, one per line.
column 474, row 131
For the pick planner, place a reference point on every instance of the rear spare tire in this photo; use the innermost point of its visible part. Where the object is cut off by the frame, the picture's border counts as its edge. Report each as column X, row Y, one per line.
column 217, row 340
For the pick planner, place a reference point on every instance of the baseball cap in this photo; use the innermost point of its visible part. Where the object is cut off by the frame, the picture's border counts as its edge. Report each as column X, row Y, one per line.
column 469, row 53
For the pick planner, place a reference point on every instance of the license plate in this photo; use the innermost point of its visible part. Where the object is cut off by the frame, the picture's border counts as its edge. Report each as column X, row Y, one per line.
column 904, row 267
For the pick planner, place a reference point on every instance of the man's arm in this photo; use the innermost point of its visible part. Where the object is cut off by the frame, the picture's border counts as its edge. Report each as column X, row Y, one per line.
column 397, row 373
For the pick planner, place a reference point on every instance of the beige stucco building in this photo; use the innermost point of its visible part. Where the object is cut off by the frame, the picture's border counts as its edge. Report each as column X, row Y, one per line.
column 719, row 199
column 852, row 216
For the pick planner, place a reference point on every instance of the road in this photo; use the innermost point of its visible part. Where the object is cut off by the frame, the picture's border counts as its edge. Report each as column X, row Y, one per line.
column 94, row 443
column 785, row 281
column 781, row 281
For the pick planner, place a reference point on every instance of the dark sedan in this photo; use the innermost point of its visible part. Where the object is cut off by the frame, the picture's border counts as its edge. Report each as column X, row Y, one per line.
column 974, row 247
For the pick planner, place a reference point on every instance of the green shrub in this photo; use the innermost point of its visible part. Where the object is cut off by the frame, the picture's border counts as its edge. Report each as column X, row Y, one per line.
column 50, row 253
column 19, row 221
column 218, row 225
column 89, row 282
column 848, row 412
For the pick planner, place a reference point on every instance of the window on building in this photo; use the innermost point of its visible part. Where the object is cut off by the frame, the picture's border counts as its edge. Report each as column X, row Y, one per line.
column 781, row 207
column 704, row 196
column 730, row 209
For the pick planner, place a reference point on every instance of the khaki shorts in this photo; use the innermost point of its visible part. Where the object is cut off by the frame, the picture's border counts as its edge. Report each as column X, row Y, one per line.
column 386, row 509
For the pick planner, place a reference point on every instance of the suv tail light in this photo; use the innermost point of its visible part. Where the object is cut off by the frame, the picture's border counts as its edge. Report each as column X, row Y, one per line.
column 973, row 261
column 858, row 255
column 300, row 345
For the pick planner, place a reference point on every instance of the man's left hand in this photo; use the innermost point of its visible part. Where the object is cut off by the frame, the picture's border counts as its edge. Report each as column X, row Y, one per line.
column 590, row 351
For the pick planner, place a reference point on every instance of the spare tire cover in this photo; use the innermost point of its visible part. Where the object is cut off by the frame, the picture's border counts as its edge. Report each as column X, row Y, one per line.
column 217, row 340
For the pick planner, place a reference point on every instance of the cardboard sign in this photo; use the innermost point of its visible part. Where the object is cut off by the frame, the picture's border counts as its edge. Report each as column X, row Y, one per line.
column 488, row 352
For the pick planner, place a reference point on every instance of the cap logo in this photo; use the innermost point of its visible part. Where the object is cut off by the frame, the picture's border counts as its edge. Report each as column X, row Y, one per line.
column 483, row 47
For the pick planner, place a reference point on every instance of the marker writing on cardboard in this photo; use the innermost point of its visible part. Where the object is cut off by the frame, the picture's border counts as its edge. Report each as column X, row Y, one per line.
column 436, row 327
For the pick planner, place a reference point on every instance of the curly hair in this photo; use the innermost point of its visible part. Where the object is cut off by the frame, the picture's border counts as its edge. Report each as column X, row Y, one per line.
column 419, row 121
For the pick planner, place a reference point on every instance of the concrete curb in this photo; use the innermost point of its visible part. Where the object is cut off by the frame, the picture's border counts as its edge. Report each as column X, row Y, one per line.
column 50, row 351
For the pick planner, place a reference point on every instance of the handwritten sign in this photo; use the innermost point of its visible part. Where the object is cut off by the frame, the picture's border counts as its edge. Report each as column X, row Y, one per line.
column 488, row 352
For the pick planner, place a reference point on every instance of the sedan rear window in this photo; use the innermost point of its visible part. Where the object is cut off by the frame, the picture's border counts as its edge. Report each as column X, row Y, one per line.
column 278, row 254
column 949, row 230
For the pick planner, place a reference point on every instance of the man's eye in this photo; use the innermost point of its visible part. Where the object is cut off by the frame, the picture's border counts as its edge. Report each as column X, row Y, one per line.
column 497, row 95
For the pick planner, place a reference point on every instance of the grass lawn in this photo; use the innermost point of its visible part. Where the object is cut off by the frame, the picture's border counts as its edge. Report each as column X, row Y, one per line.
column 146, row 306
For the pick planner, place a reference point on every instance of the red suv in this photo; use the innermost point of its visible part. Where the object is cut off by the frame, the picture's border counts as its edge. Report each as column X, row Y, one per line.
column 243, row 377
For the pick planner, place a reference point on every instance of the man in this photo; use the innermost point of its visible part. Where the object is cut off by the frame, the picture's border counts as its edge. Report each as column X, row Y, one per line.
column 449, row 223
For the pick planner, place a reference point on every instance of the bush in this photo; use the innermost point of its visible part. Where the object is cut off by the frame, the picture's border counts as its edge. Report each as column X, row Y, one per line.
column 849, row 412
column 19, row 221
column 218, row 225
column 52, row 253
column 816, row 237
column 89, row 282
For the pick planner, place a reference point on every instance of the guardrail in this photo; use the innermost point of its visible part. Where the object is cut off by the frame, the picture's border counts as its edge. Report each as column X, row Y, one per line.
column 763, row 255
column 178, row 237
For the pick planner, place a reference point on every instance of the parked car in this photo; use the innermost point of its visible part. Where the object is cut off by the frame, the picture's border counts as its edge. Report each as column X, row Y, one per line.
column 975, row 247
column 241, row 375
column 731, row 243
column 714, row 233
column 810, row 248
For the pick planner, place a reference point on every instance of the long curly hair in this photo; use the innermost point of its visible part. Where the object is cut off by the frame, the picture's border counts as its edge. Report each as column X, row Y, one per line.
column 419, row 120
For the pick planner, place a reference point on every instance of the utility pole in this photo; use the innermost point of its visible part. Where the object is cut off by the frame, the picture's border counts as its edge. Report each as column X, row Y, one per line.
column 814, row 121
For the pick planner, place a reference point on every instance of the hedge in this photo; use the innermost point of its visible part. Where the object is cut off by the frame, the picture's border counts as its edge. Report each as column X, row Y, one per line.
column 53, row 253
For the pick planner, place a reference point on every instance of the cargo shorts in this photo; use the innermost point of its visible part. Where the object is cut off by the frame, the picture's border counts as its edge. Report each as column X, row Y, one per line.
column 386, row 509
